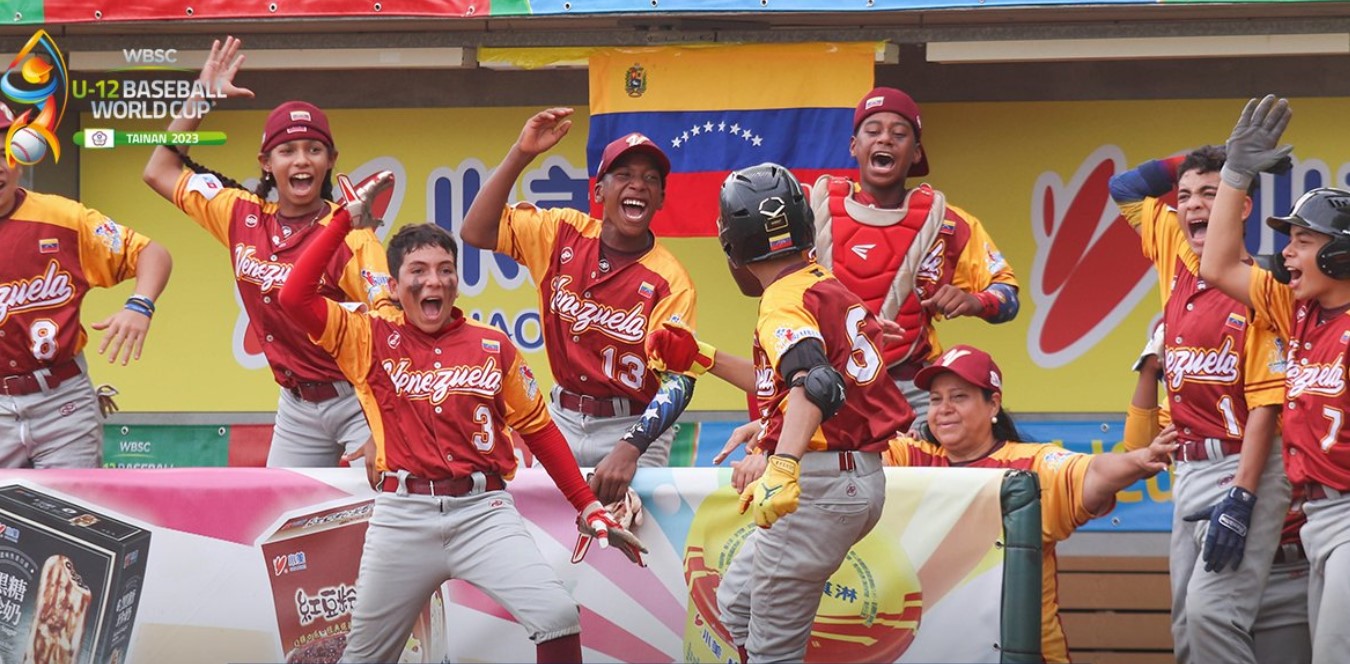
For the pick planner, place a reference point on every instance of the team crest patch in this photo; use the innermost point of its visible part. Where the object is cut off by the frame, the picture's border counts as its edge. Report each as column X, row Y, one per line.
column 646, row 290
column 49, row 246
column 531, row 385
column 376, row 283
column 994, row 258
column 635, row 81
column 1237, row 321
column 784, row 338
column 492, row 346
column 111, row 234
column 1053, row 460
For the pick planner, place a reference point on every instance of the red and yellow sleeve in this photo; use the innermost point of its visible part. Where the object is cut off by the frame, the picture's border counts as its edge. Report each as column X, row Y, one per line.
column 1273, row 302
column 527, row 233
column 1063, row 474
column 526, row 411
column 109, row 251
column 678, row 306
column 346, row 336
column 783, row 323
column 365, row 277
column 981, row 264
column 1264, row 370
column 907, row 452
column 207, row 201
column 1161, row 238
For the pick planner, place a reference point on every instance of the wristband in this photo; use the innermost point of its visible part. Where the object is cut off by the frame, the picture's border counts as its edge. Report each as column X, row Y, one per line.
column 136, row 306
column 143, row 300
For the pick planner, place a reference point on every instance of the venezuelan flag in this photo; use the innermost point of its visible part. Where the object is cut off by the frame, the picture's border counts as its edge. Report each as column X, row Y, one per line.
column 714, row 109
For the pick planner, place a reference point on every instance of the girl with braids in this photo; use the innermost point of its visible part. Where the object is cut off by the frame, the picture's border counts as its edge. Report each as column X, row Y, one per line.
column 318, row 416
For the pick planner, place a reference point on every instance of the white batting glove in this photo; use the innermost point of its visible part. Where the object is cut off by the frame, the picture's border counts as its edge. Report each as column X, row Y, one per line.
column 597, row 522
column 1153, row 347
column 358, row 199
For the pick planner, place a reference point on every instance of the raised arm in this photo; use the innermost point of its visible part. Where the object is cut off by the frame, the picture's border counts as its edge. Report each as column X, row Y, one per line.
column 540, row 134
column 1151, row 179
column 1252, row 149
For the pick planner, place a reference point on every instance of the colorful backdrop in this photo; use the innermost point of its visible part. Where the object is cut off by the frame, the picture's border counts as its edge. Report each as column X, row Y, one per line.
column 1034, row 173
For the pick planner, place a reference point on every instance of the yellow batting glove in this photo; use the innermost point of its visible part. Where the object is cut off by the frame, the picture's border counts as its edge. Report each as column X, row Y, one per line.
column 775, row 495
column 674, row 348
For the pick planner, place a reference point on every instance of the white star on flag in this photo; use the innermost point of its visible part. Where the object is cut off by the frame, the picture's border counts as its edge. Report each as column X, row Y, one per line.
column 721, row 126
column 707, row 127
column 694, row 130
column 736, row 129
column 746, row 134
column 757, row 141
column 675, row 142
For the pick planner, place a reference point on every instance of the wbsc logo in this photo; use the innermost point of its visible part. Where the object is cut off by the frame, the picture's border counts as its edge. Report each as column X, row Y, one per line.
column 37, row 78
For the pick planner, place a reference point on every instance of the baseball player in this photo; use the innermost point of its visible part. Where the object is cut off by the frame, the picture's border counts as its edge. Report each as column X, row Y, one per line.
column 1280, row 630
column 440, row 392
column 907, row 253
column 826, row 416
column 1305, row 296
column 318, row 416
column 603, row 284
column 1224, row 379
column 968, row 428
column 56, row 250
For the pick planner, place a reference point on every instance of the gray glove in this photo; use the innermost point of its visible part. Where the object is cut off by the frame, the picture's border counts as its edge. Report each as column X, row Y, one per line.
column 1252, row 147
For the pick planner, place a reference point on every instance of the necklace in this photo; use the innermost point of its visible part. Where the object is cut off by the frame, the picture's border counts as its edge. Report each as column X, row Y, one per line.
column 294, row 221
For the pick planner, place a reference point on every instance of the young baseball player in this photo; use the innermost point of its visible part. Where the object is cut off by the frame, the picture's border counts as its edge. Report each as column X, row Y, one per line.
column 827, row 417
column 1306, row 296
column 56, row 250
column 603, row 284
column 440, row 392
column 968, row 428
column 908, row 254
column 318, row 416
column 1280, row 629
column 1224, row 375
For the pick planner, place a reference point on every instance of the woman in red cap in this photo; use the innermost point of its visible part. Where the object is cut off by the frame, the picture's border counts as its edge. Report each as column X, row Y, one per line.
column 318, row 416
column 968, row 428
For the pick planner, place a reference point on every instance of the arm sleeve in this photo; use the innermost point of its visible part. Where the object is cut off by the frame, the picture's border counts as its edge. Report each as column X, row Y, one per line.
column 784, row 324
column 300, row 294
column 1063, row 475
column 672, row 397
column 109, row 251
column 526, row 234
column 1265, row 367
column 981, row 265
column 1141, row 427
column 208, row 202
column 678, row 307
column 1272, row 303
column 549, row 446
column 1151, row 179
column 365, row 277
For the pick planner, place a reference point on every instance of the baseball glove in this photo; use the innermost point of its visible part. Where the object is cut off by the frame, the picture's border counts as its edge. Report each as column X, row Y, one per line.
column 618, row 519
column 357, row 199
column 106, row 405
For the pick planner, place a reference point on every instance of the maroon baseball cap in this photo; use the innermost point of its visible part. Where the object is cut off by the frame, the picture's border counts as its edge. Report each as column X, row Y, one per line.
column 968, row 362
column 631, row 143
column 295, row 120
column 881, row 100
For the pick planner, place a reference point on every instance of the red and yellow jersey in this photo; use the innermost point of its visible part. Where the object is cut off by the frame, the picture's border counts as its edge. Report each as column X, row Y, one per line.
column 1316, row 438
column 55, row 251
column 1062, row 474
column 263, row 250
column 439, row 406
column 810, row 303
column 865, row 258
column 596, row 309
column 1219, row 363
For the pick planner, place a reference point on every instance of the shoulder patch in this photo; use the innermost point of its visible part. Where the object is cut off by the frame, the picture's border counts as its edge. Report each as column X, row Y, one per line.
column 1054, row 459
column 785, row 338
column 531, row 385
column 205, row 184
column 111, row 235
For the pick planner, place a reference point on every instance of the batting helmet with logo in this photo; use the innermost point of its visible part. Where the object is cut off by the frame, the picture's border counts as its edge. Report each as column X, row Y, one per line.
column 764, row 214
column 1326, row 211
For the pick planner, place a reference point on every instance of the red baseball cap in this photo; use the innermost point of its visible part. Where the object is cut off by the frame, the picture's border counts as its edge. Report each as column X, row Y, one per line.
column 295, row 120
column 633, row 142
column 882, row 100
column 968, row 362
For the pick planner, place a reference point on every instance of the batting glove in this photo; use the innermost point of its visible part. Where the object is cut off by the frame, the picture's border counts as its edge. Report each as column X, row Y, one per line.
column 358, row 199
column 1154, row 347
column 1229, row 520
column 1252, row 146
column 596, row 522
column 673, row 347
column 774, row 495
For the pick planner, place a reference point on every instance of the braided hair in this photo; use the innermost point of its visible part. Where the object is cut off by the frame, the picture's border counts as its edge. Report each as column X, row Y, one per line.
column 265, row 184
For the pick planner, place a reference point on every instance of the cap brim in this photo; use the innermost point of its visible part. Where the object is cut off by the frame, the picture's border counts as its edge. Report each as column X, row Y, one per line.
column 924, row 379
column 920, row 168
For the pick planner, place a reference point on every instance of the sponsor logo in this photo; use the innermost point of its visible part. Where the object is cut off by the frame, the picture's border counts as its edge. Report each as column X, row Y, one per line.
column 583, row 314
column 874, row 102
column 394, row 338
column 50, row 289
column 862, row 249
column 437, row 384
column 1202, row 365
column 251, row 221
column 300, row 116
column 265, row 274
column 565, row 256
column 291, row 562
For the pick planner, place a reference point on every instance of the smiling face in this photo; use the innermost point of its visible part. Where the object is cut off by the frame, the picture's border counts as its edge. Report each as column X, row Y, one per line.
column 961, row 417
column 631, row 192
column 300, row 168
column 426, row 286
column 886, row 149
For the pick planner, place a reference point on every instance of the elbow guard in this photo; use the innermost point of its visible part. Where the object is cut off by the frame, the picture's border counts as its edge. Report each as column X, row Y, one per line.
column 824, row 386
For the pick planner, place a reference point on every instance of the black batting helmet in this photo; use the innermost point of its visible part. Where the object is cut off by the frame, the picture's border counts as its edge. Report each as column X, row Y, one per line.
column 1326, row 211
column 764, row 214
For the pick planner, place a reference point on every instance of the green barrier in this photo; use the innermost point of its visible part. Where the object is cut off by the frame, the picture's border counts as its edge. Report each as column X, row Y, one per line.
column 165, row 446
column 1022, row 563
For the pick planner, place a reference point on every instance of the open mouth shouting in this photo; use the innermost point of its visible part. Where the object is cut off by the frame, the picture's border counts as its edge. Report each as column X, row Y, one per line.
column 302, row 183
column 432, row 306
column 634, row 209
column 882, row 162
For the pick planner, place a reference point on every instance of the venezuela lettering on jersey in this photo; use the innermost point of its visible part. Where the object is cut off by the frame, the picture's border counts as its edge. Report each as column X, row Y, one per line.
column 1324, row 379
column 584, row 314
column 436, row 384
column 1202, row 365
column 266, row 274
column 51, row 289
